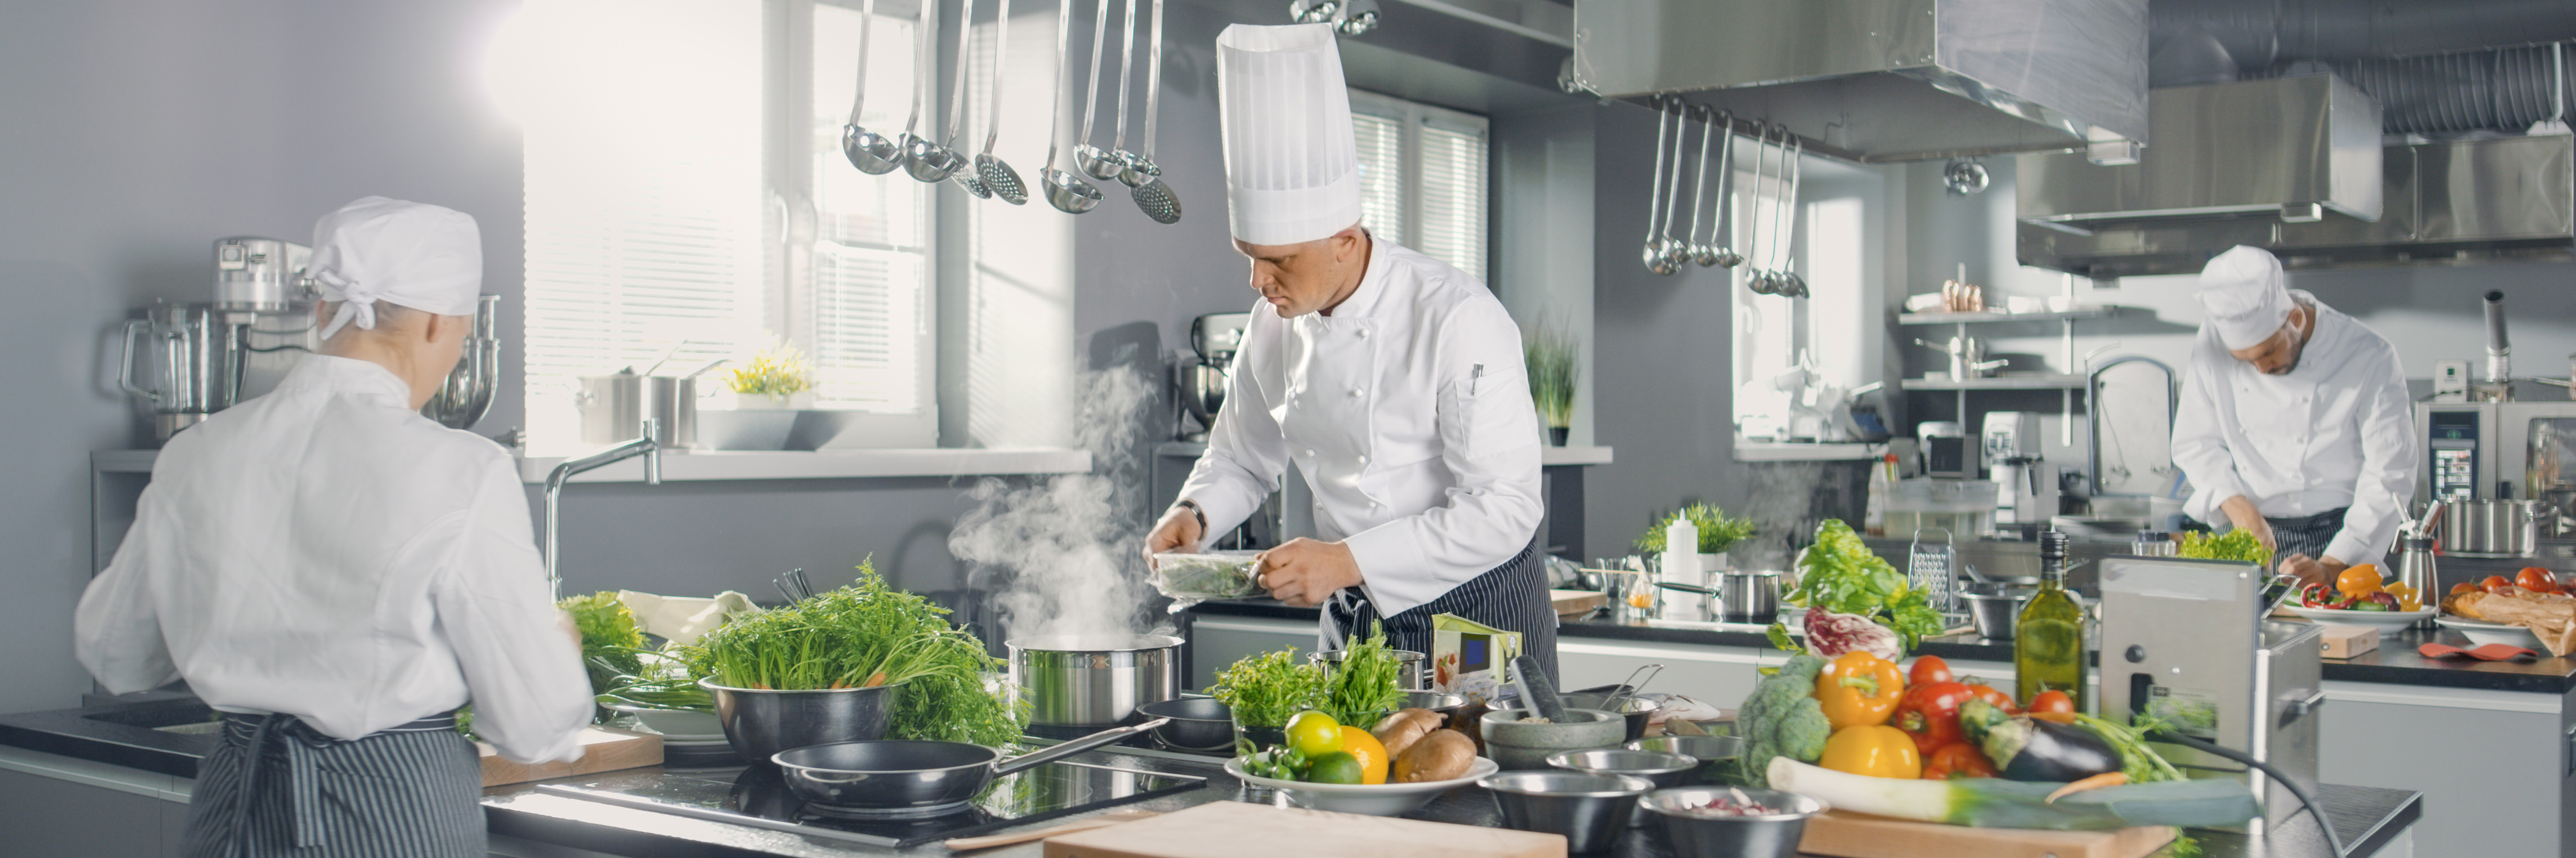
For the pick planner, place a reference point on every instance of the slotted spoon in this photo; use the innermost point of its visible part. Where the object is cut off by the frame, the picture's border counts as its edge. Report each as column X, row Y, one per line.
column 998, row 177
column 955, row 161
column 1142, row 175
column 1066, row 191
column 873, row 153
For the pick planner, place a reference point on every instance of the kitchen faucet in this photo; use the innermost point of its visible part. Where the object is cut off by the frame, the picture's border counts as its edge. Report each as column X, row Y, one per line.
column 643, row 446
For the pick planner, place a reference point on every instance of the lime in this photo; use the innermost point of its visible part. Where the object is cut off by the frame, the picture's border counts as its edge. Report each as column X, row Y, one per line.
column 1334, row 768
column 1314, row 733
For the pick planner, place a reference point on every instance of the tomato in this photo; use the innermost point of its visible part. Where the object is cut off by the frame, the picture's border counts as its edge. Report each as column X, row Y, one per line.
column 1995, row 697
column 1930, row 713
column 2537, row 580
column 2494, row 583
column 1956, row 760
column 1928, row 670
column 2053, row 705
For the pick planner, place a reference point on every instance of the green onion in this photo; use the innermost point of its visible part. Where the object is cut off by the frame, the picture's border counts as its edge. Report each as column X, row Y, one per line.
column 1364, row 687
column 1999, row 803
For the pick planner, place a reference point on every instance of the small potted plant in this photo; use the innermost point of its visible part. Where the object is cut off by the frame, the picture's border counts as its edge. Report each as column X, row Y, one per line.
column 1717, row 533
column 1549, row 356
column 774, row 378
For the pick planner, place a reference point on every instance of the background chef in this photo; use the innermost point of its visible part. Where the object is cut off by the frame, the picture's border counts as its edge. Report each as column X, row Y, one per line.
column 2295, row 423
column 1392, row 380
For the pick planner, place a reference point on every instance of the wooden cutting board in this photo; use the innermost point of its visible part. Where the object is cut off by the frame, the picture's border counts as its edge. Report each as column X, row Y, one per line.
column 1576, row 601
column 603, row 749
column 1233, row 829
column 1854, row 835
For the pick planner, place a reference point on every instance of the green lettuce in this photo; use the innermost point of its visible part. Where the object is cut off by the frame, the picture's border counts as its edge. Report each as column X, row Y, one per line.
column 1840, row 574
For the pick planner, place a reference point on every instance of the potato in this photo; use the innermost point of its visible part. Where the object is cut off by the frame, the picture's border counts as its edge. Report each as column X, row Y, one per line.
column 1442, row 755
column 1400, row 729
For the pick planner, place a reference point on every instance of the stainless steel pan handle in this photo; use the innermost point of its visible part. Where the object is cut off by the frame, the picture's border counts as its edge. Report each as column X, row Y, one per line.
column 125, row 368
column 1075, row 746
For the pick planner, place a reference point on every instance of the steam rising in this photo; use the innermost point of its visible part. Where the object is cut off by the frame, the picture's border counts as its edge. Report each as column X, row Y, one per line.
column 1061, row 554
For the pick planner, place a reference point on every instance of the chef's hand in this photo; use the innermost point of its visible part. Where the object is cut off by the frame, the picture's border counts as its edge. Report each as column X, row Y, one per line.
column 1178, row 531
column 1304, row 573
column 2313, row 570
column 2241, row 511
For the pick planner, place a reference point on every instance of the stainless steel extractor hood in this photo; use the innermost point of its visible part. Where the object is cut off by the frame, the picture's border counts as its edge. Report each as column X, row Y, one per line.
column 2458, row 201
column 2300, row 148
column 1888, row 80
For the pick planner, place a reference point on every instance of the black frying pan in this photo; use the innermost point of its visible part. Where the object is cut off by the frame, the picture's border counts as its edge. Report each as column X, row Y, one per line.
column 895, row 778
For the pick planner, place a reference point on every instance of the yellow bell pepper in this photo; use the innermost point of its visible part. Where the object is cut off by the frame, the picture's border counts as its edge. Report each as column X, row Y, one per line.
column 1875, row 750
column 1859, row 689
column 2407, row 598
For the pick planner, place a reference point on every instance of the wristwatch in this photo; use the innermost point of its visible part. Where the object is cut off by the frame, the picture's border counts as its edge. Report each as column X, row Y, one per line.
column 1195, row 512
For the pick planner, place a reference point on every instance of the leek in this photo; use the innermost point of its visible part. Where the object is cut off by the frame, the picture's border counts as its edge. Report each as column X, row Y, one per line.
column 1996, row 803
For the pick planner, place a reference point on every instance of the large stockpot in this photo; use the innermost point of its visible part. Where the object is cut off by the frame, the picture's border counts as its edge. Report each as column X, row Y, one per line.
column 2491, row 528
column 1093, row 681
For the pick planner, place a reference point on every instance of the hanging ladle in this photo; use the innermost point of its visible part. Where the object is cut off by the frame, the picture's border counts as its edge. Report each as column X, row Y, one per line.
column 1703, row 253
column 1111, row 163
column 873, row 153
column 1066, row 191
column 998, row 177
column 1654, row 252
column 1791, row 284
column 923, row 159
column 1142, row 175
column 1762, row 281
column 956, row 164
column 1677, row 253
column 1726, row 255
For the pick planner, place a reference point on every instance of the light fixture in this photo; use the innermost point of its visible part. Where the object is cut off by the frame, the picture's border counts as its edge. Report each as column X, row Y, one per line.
column 1964, row 177
column 1347, row 17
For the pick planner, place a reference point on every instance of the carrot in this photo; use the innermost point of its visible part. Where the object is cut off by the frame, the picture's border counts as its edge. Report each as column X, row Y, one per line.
column 2105, row 779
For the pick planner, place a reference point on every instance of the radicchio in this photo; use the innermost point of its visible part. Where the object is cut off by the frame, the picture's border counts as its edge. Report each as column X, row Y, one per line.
column 1830, row 634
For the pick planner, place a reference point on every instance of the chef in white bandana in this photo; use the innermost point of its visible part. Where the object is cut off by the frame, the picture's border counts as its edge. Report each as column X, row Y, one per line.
column 337, row 574
column 2295, row 423
column 1392, row 380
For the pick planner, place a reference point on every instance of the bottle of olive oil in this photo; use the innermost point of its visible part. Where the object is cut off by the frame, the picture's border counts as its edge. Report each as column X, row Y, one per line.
column 2048, row 638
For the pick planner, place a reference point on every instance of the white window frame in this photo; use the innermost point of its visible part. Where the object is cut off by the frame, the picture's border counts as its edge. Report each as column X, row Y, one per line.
column 1412, row 117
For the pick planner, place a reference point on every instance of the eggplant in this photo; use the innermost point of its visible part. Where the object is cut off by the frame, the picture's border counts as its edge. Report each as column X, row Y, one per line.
column 2028, row 749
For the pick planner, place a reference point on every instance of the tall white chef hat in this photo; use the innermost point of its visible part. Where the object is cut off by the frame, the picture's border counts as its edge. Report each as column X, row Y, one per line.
column 1291, row 164
column 413, row 254
column 2243, row 296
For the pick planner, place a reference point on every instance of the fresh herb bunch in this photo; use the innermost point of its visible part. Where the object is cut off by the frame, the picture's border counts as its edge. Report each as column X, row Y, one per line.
column 2238, row 544
column 1717, row 533
column 1264, row 689
column 664, row 683
column 610, row 642
column 1549, row 357
column 1840, row 574
column 779, row 371
column 1364, row 687
column 1204, row 577
column 865, row 635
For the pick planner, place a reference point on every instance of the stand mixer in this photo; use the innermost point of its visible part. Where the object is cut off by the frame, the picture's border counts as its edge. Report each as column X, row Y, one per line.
column 1202, row 379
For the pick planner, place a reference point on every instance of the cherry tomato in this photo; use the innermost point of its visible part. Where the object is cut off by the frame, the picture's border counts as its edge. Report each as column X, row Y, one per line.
column 1995, row 697
column 2053, row 705
column 2537, row 580
column 2494, row 583
column 1930, row 669
column 1957, row 760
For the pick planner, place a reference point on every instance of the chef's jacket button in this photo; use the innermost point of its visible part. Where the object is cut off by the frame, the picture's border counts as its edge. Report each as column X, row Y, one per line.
column 1356, row 392
column 1363, row 333
column 1310, row 454
column 1363, row 460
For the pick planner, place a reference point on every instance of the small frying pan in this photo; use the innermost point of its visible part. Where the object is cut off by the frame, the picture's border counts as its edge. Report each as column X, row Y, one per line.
column 911, row 779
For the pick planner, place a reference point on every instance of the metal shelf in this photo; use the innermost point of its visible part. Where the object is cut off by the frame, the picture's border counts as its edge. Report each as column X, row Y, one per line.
column 2103, row 311
column 2001, row 382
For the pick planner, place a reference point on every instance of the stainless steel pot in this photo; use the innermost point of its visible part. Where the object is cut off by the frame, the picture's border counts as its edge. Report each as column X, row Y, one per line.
column 612, row 408
column 2492, row 528
column 1075, row 681
column 467, row 394
column 1748, row 596
column 760, row 722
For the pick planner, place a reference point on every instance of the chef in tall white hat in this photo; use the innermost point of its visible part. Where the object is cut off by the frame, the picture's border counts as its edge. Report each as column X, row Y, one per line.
column 2295, row 423
column 337, row 574
column 1391, row 380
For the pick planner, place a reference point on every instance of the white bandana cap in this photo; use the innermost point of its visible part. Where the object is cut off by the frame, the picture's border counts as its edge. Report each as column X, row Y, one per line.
column 1291, row 162
column 416, row 255
column 2243, row 296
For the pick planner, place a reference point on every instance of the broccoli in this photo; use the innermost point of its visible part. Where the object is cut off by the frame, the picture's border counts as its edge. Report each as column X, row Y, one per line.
column 1782, row 719
column 1802, row 734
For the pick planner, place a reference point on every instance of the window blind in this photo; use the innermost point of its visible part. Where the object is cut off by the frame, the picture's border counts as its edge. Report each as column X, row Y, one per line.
column 868, row 291
column 1423, row 174
column 1452, row 197
column 1381, row 145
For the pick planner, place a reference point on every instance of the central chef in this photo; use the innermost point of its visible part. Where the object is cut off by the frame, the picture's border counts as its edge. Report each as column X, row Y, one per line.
column 1391, row 380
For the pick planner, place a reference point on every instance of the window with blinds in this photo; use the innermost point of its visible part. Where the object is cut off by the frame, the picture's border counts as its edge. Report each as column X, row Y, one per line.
column 1422, row 178
column 657, row 222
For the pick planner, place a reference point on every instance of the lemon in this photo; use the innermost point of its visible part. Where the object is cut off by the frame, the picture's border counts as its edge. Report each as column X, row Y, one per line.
column 1365, row 747
column 1336, row 767
column 1314, row 734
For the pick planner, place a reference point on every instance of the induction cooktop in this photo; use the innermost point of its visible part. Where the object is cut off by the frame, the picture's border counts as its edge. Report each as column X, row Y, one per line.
column 758, row 797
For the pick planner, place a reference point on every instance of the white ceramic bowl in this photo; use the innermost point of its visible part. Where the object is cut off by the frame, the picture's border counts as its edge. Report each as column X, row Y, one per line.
column 2481, row 634
column 1370, row 799
column 2382, row 621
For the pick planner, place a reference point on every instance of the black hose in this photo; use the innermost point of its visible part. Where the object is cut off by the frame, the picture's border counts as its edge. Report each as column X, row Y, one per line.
column 2301, row 793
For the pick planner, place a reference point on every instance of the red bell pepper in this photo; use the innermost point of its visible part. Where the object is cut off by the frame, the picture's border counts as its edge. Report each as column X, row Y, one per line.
column 1930, row 714
column 1957, row 760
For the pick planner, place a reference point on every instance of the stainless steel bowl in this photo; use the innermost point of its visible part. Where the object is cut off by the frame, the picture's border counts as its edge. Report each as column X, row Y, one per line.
column 1695, row 836
column 761, row 722
column 1198, row 724
column 1590, row 810
column 1663, row 769
column 1437, row 701
column 1091, row 682
column 1637, row 710
column 1994, row 607
column 1712, row 752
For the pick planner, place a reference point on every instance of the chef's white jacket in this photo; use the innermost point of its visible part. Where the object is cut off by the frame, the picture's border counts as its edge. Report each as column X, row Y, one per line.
column 1408, row 413
column 325, row 551
column 2337, row 431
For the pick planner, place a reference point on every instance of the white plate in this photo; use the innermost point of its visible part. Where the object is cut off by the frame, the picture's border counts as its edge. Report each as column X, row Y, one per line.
column 2383, row 621
column 1370, row 799
column 2482, row 634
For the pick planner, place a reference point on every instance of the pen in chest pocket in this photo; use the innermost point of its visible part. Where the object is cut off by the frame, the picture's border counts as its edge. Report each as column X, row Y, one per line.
column 1474, row 375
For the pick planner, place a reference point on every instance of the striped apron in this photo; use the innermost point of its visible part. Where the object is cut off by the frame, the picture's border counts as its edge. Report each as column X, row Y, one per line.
column 275, row 786
column 2309, row 535
column 1511, row 597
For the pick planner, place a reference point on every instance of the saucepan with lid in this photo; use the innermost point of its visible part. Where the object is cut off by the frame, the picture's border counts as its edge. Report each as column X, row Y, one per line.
column 913, row 779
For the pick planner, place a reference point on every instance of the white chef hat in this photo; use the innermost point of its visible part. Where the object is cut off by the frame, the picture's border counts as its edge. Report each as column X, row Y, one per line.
column 413, row 254
column 1291, row 163
column 2244, row 296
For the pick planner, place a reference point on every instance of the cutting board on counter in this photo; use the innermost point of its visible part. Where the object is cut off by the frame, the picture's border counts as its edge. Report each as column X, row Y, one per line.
column 1233, row 829
column 603, row 750
column 1853, row 835
column 1576, row 601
